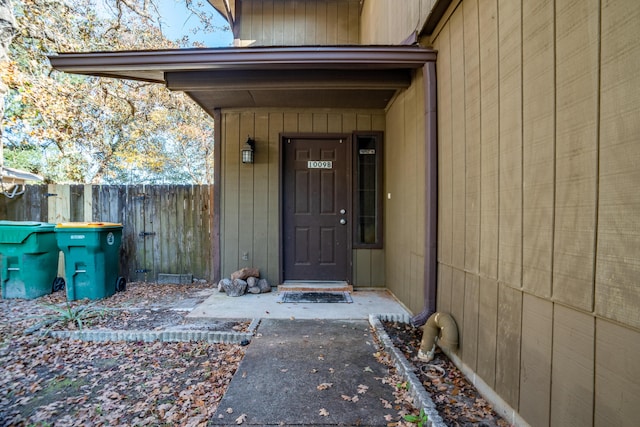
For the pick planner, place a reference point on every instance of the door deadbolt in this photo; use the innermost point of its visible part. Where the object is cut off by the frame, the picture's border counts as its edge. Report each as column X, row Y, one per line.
column 343, row 221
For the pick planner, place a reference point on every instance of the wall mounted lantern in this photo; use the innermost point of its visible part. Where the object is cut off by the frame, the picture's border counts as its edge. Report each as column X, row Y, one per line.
column 248, row 150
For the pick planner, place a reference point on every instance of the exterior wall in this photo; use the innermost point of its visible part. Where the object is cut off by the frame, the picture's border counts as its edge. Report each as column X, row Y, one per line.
column 390, row 22
column 250, row 194
column 539, row 212
column 405, row 196
column 299, row 23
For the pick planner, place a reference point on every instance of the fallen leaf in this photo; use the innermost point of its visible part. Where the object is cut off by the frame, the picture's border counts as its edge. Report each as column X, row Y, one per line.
column 324, row 386
column 242, row 418
column 362, row 389
column 388, row 417
column 386, row 404
column 323, row 412
column 345, row 397
column 229, row 411
column 367, row 369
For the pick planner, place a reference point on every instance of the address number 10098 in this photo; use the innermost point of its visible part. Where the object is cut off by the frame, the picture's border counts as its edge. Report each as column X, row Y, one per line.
column 320, row 164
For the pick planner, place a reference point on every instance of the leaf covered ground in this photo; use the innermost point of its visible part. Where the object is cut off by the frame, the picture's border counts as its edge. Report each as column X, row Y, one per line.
column 46, row 381
column 456, row 399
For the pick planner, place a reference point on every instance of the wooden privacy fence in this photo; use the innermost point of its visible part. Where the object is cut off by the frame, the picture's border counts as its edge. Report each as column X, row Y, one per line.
column 167, row 228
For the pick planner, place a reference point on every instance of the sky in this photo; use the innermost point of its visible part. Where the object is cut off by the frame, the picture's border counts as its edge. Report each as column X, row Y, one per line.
column 178, row 22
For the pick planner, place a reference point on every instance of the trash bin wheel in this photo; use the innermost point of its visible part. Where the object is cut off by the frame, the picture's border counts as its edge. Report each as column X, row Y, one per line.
column 58, row 284
column 121, row 284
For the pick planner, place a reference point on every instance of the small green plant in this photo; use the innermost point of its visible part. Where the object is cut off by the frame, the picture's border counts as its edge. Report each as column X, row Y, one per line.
column 420, row 420
column 69, row 314
column 403, row 386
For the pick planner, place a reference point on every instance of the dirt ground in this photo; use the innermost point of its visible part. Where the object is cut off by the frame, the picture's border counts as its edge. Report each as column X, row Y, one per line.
column 456, row 399
column 46, row 381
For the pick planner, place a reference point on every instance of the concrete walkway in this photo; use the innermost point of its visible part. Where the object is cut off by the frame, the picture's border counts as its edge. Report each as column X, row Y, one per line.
column 266, row 306
column 296, row 372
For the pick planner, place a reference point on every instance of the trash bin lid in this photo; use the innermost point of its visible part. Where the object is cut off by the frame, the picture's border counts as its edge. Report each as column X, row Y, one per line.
column 18, row 231
column 89, row 225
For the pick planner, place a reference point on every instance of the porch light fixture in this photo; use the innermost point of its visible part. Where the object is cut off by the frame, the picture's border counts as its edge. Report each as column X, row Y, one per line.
column 248, row 150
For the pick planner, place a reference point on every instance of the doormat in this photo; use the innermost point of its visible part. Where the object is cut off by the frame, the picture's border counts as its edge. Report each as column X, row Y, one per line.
column 322, row 297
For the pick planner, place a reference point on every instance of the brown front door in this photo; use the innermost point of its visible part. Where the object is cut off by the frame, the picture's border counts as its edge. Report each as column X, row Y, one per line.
column 316, row 209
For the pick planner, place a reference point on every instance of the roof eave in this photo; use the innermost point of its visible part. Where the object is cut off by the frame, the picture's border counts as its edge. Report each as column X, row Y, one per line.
column 19, row 175
column 306, row 76
column 124, row 64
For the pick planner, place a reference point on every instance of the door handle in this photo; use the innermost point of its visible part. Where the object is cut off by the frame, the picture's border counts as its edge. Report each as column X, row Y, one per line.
column 343, row 221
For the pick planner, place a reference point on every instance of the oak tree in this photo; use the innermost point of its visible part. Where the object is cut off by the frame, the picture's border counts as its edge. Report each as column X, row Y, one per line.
column 72, row 128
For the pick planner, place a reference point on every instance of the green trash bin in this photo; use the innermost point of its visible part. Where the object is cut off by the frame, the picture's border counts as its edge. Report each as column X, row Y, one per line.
column 29, row 259
column 91, row 258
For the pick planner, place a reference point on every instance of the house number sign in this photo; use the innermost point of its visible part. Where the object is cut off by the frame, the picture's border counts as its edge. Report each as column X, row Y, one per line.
column 319, row 164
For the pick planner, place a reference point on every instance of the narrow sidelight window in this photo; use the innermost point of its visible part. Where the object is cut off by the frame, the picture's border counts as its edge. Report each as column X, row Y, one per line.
column 368, row 190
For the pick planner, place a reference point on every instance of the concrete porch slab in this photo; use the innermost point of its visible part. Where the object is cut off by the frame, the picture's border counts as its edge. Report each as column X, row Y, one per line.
column 266, row 306
column 315, row 286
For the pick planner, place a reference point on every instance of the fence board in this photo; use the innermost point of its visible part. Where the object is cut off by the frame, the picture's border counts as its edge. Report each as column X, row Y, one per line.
column 180, row 217
column 153, row 225
column 76, row 210
column 182, row 193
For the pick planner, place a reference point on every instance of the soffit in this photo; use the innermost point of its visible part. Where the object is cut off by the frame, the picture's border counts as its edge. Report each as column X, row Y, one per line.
column 226, row 8
column 349, row 77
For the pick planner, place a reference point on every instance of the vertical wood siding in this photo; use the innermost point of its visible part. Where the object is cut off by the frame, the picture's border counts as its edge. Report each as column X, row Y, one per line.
column 299, row 23
column 405, row 195
column 390, row 22
column 250, row 194
column 539, row 208
column 166, row 228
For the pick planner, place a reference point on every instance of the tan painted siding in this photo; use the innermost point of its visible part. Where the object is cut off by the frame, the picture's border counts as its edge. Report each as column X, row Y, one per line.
column 392, row 21
column 539, row 208
column 404, row 196
column 617, row 261
column 576, row 152
column 250, row 222
column 299, row 23
column 572, row 368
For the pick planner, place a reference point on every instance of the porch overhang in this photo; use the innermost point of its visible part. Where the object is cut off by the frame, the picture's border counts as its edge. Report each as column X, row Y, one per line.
column 309, row 76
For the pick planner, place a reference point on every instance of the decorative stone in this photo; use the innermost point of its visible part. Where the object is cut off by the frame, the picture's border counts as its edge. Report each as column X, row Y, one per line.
column 245, row 273
column 264, row 286
column 222, row 283
column 254, row 290
column 237, row 288
column 252, row 282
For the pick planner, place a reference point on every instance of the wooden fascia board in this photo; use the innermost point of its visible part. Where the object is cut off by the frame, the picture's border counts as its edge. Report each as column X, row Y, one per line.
column 126, row 64
column 226, row 8
column 438, row 11
column 288, row 79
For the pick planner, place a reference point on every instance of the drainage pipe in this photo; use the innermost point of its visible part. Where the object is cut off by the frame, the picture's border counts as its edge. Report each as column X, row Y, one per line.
column 440, row 328
column 431, row 196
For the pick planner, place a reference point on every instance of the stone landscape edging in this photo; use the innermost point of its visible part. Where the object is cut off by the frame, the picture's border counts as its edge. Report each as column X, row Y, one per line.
column 211, row 337
column 421, row 398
